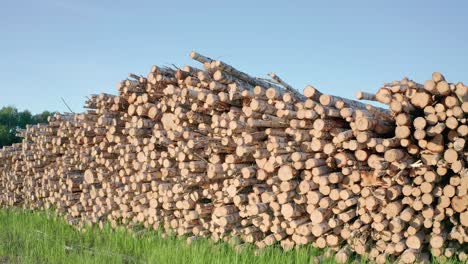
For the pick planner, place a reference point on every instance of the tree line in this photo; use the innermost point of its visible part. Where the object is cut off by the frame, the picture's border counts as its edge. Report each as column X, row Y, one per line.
column 11, row 119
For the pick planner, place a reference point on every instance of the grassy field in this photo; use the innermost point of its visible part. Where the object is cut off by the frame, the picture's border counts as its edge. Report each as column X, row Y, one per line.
column 41, row 237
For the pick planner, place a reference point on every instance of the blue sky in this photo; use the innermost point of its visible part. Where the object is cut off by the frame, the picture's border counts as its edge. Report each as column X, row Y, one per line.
column 52, row 48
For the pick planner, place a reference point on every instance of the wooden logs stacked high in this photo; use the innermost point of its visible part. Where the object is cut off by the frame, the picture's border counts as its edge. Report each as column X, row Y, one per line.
column 430, row 137
column 215, row 152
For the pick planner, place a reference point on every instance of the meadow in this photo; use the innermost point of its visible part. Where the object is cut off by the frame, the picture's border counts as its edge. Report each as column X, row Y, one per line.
column 44, row 237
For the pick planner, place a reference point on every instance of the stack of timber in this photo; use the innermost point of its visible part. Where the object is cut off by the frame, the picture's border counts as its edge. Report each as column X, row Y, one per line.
column 214, row 152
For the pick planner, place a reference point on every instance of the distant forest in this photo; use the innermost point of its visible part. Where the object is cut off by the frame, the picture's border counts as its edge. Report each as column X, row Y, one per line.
column 11, row 119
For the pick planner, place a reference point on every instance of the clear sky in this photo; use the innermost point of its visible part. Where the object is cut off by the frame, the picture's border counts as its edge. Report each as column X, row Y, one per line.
column 63, row 48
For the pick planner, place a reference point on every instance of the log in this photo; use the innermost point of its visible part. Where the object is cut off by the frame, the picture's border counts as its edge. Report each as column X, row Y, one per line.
column 217, row 153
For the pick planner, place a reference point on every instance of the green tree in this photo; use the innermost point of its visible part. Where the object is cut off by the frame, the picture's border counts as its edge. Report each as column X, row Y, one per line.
column 9, row 116
column 24, row 118
column 41, row 118
column 11, row 119
column 4, row 136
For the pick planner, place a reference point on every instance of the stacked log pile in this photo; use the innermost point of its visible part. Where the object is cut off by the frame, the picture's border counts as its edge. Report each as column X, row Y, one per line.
column 214, row 152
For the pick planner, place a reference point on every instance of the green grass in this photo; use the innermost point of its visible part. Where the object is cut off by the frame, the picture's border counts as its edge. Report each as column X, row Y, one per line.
column 42, row 237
